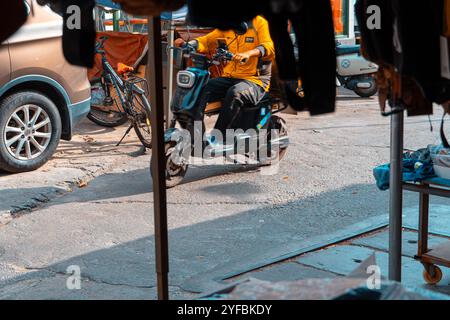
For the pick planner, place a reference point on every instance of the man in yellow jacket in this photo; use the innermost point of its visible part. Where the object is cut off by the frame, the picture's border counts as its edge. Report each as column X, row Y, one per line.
column 246, row 79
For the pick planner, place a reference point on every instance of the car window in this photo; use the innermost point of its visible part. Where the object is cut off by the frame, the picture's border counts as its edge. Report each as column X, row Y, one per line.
column 28, row 7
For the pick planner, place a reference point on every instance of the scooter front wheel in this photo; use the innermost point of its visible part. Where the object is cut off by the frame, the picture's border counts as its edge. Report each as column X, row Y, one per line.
column 175, row 172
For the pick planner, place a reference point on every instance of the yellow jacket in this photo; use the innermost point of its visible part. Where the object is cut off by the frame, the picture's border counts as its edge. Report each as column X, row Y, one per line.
column 258, row 35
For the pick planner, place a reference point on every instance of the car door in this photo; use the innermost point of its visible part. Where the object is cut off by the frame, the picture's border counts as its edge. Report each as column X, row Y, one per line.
column 5, row 64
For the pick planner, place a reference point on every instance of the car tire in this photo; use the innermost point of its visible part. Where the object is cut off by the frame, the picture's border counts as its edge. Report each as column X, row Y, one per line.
column 27, row 145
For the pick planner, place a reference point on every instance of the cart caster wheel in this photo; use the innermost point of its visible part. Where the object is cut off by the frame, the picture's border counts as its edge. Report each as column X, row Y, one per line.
column 435, row 278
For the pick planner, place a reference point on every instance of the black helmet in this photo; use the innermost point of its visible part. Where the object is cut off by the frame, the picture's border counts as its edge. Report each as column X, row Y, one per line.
column 242, row 28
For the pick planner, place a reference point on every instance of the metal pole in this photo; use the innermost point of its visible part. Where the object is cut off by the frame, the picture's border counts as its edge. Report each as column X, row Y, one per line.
column 170, row 39
column 158, row 170
column 116, row 20
column 396, row 197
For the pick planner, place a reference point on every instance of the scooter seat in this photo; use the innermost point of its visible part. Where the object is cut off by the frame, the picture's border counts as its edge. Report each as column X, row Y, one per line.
column 350, row 49
column 213, row 107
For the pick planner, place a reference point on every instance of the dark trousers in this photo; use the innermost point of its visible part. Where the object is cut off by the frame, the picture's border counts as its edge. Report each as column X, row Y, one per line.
column 234, row 94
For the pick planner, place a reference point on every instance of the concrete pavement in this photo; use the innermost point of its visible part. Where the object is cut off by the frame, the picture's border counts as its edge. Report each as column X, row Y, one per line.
column 221, row 218
column 91, row 153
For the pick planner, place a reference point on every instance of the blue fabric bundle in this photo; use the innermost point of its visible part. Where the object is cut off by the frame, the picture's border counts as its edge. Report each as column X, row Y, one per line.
column 417, row 166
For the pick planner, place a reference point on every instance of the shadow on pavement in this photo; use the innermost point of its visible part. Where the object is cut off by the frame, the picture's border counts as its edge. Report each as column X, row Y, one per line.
column 244, row 237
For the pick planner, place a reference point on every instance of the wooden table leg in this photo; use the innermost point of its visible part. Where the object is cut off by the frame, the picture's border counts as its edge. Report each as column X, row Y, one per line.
column 424, row 203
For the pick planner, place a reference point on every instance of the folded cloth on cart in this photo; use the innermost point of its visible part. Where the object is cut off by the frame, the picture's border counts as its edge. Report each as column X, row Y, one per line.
column 441, row 160
column 417, row 166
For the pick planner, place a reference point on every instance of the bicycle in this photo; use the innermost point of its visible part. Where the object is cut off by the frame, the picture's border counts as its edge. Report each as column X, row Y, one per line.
column 123, row 99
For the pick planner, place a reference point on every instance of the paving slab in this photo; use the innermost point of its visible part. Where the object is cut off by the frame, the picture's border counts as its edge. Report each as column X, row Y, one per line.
column 343, row 259
column 380, row 241
column 289, row 271
column 439, row 216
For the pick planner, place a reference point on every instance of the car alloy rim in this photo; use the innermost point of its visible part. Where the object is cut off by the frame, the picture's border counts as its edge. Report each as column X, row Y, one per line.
column 28, row 132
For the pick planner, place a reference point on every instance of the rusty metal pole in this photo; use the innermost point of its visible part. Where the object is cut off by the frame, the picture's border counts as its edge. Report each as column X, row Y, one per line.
column 155, row 76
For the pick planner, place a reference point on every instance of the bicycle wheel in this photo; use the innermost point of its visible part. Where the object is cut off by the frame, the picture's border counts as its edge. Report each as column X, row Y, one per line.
column 109, row 113
column 141, row 121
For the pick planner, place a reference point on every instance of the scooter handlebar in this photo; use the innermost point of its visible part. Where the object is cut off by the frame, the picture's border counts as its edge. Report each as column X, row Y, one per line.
column 223, row 54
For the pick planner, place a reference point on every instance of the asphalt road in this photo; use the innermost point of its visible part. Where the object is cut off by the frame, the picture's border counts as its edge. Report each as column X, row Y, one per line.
column 91, row 206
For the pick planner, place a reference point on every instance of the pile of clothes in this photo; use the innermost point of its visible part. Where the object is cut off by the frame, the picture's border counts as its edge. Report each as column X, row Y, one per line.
column 417, row 166
column 426, row 163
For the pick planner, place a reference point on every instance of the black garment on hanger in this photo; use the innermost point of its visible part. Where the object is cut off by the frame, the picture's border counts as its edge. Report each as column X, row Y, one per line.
column 312, row 22
column 14, row 19
column 313, row 25
column 377, row 43
column 408, row 40
column 420, row 24
column 79, row 44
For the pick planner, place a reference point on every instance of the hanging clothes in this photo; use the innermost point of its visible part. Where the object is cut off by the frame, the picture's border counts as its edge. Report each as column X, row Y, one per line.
column 408, row 43
column 316, row 61
column 420, row 53
column 316, row 65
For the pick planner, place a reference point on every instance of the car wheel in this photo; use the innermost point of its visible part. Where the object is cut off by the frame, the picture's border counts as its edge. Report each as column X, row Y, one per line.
column 30, row 129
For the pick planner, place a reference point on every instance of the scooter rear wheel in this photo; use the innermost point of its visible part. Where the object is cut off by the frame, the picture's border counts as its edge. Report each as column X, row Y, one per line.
column 174, row 172
column 367, row 92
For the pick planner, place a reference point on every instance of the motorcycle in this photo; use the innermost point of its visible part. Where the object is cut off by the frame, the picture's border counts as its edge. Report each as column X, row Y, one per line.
column 354, row 72
column 261, row 135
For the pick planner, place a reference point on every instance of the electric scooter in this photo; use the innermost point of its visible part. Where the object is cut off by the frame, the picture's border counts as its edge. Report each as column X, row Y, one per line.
column 260, row 134
column 354, row 72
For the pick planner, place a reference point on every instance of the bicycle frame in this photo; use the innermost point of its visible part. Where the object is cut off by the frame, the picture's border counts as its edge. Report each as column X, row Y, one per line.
column 117, row 82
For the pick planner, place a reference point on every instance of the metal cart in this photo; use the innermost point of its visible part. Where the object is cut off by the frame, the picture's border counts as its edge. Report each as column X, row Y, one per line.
column 431, row 258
